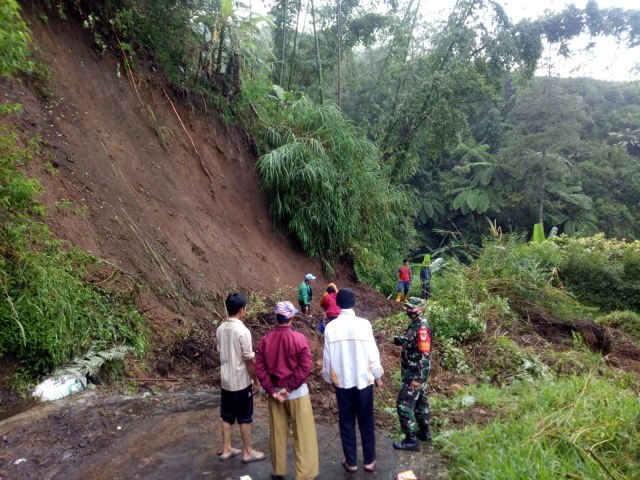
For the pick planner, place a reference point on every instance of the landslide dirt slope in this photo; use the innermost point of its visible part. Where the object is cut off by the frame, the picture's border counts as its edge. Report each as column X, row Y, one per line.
column 196, row 223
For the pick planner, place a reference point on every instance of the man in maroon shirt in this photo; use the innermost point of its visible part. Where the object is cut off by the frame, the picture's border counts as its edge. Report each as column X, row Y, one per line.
column 283, row 364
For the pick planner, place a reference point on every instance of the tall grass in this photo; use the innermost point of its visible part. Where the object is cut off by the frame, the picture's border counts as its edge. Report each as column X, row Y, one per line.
column 575, row 427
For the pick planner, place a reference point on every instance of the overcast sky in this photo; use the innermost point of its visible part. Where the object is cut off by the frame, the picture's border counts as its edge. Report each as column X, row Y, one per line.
column 607, row 61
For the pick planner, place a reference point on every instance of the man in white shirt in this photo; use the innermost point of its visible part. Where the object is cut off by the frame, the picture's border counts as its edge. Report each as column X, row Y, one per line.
column 238, row 379
column 351, row 361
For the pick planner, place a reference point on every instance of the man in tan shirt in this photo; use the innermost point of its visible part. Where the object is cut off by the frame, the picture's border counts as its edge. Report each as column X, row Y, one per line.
column 238, row 380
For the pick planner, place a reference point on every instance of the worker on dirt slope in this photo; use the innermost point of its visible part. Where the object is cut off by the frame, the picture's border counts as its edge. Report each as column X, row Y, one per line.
column 403, row 274
column 425, row 281
column 305, row 294
column 238, row 379
column 412, row 403
column 283, row 365
column 329, row 305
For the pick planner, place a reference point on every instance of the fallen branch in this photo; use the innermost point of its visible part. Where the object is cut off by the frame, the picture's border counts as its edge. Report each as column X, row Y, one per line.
column 204, row 167
column 138, row 379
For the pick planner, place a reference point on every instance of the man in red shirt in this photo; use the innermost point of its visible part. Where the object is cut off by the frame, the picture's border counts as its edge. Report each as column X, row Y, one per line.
column 404, row 280
column 329, row 305
column 283, row 364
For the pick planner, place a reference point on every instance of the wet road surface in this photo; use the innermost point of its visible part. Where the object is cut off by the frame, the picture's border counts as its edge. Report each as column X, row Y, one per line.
column 169, row 436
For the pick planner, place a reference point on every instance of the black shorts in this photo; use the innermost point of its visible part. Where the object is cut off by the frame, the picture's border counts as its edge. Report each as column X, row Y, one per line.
column 237, row 405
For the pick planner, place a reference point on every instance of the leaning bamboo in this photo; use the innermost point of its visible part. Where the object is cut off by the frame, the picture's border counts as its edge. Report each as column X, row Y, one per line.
column 204, row 167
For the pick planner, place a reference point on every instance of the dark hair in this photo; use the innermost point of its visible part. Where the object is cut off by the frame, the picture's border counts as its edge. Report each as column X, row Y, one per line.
column 235, row 302
column 346, row 298
column 405, row 260
column 281, row 318
column 331, row 289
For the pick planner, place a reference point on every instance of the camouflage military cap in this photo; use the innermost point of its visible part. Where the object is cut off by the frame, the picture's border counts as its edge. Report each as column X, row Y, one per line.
column 414, row 302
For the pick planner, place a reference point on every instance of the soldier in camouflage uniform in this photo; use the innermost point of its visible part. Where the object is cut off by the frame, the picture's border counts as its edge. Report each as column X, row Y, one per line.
column 412, row 403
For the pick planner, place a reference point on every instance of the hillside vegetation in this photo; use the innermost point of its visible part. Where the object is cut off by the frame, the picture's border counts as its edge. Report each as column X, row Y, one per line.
column 459, row 137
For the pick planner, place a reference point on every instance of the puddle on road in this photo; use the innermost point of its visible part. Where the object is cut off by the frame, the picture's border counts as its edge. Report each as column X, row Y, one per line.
column 8, row 412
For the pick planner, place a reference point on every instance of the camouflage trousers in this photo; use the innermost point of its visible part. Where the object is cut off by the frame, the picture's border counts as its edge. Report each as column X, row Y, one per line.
column 425, row 289
column 413, row 408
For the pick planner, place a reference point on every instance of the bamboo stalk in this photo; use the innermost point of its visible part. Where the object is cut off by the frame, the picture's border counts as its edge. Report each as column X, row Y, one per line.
column 193, row 145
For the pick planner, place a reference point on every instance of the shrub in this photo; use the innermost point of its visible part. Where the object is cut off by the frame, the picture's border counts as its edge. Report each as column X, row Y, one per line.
column 454, row 314
column 451, row 356
column 529, row 275
column 627, row 321
column 457, row 321
column 602, row 272
column 507, row 362
column 14, row 40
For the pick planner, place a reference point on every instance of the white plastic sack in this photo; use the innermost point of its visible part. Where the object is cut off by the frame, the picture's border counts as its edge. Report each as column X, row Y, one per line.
column 60, row 387
column 437, row 265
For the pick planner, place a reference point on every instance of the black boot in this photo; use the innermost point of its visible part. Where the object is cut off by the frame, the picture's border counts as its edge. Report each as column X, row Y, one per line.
column 425, row 434
column 410, row 443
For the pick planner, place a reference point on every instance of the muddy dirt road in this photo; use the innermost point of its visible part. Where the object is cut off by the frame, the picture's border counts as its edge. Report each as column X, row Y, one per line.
column 163, row 436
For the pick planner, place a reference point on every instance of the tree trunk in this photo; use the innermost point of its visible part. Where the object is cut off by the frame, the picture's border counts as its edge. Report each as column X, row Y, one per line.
column 393, row 42
column 410, row 37
column 339, row 29
column 315, row 36
column 542, row 188
column 295, row 44
column 219, row 60
column 284, row 31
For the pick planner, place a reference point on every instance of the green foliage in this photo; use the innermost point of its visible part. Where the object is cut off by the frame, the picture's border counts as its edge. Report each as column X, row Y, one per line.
column 558, row 158
column 574, row 426
column 451, row 356
column 526, row 274
column 327, row 188
column 392, row 326
column 506, row 362
column 458, row 320
column 454, row 314
column 14, row 40
column 627, row 321
column 601, row 272
column 155, row 27
column 48, row 312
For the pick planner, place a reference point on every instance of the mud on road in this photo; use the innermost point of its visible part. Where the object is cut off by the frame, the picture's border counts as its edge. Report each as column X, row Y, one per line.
column 163, row 436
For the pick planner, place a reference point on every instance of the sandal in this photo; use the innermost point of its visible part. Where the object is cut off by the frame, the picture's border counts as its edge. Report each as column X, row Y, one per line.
column 348, row 467
column 234, row 453
column 370, row 467
column 255, row 457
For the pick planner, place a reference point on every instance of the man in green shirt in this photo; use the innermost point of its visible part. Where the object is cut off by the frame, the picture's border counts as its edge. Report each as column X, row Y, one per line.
column 305, row 294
